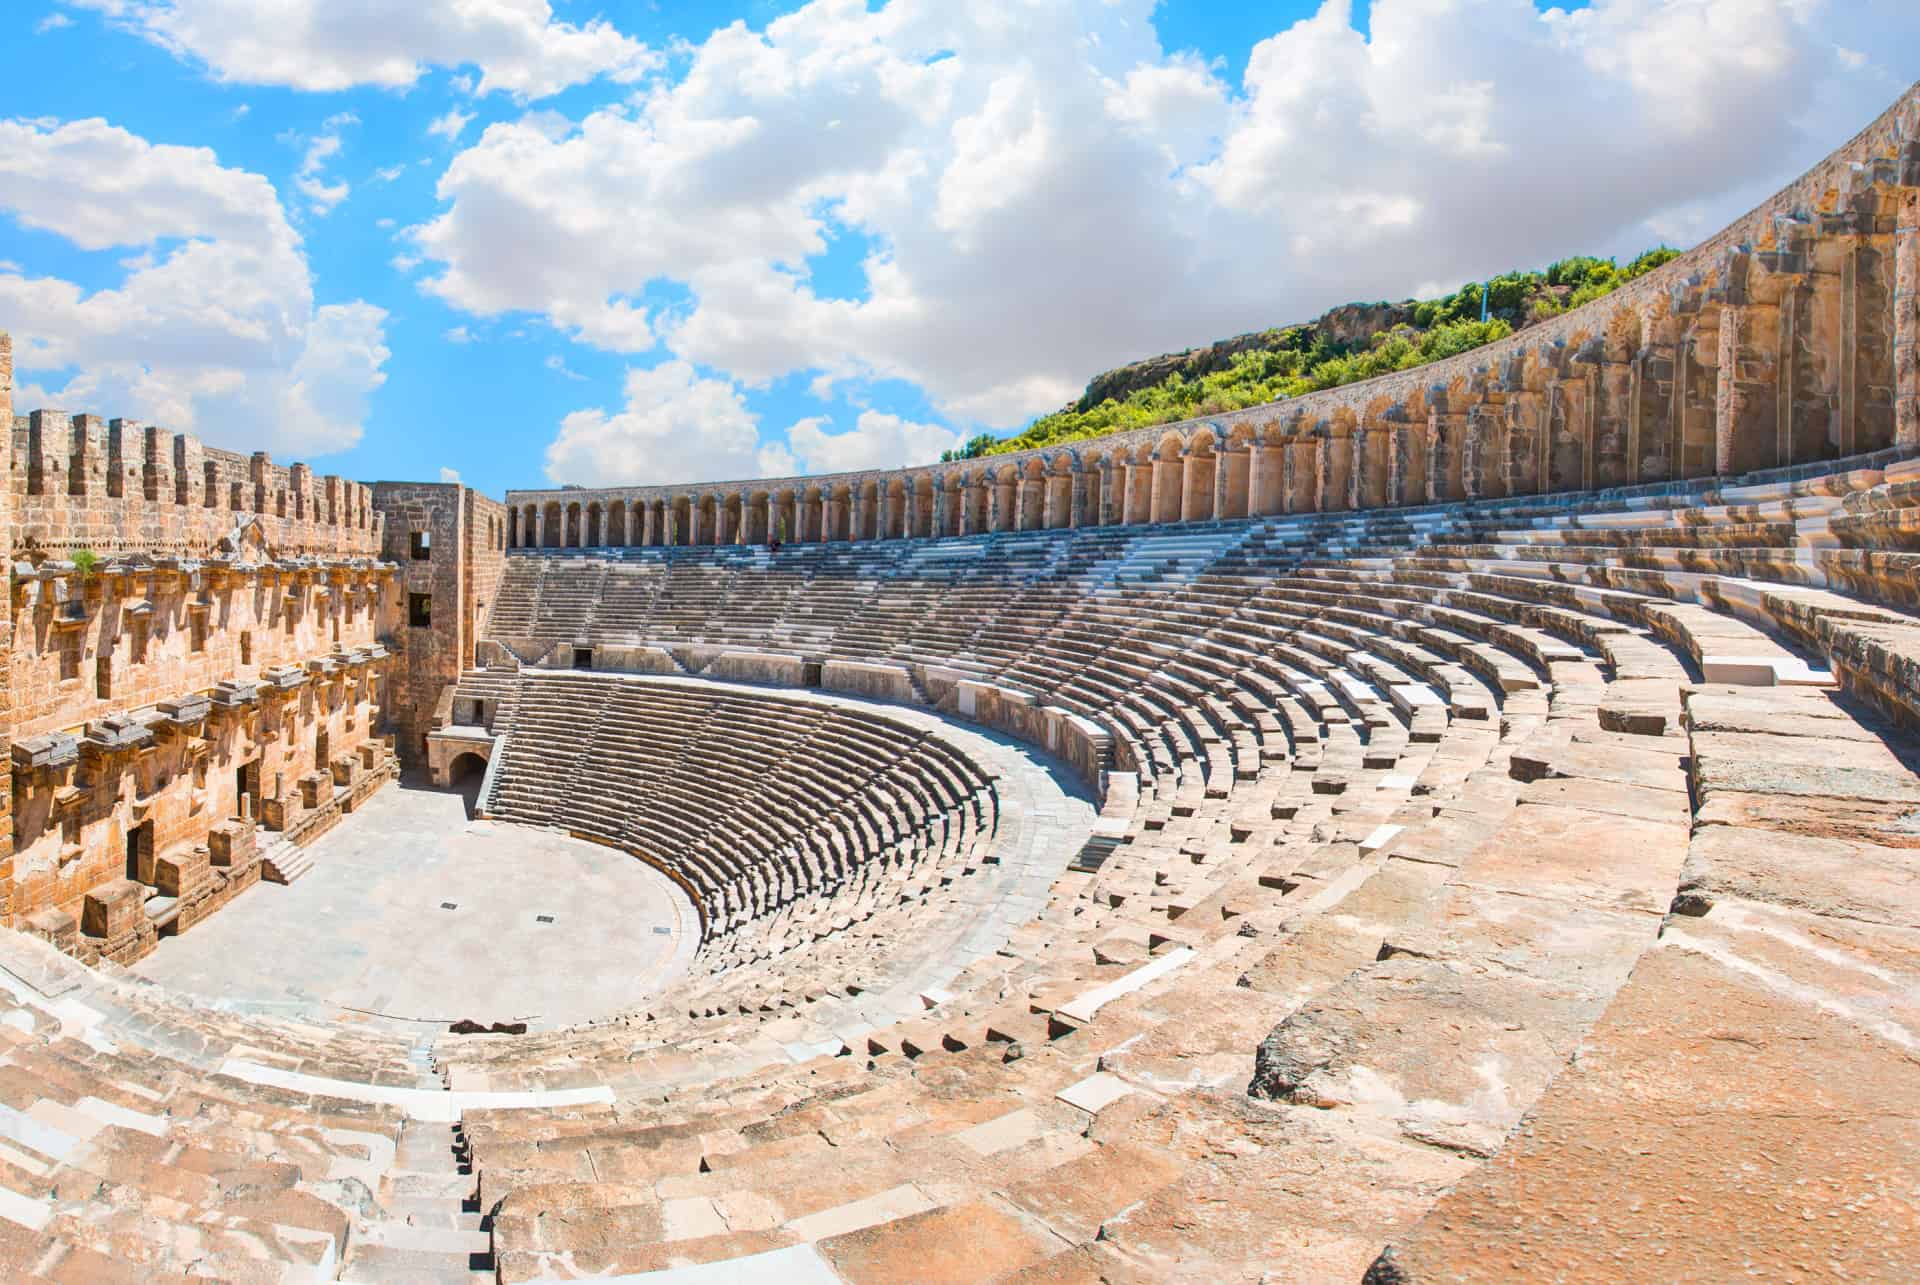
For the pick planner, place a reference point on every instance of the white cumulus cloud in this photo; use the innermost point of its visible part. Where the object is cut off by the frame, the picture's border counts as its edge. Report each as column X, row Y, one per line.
column 450, row 125
column 1047, row 191
column 877, row 440
column 213, row 328
column 518, row 45
column 677, row 426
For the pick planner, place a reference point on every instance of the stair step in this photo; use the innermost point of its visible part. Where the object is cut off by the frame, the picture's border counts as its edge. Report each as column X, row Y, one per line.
column 378, row 1265
column 284, row 863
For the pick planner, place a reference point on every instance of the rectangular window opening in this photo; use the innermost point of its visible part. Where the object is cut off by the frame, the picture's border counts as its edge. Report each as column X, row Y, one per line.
column 420, row 610
column 420, row 544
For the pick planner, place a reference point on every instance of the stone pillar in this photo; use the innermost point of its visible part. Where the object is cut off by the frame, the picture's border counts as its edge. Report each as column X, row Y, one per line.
column 1077, row 499
column 1003, row 512
column 540, row 527
column 1303, row 475
column 1266, row 485
column 1169, row 486
column 1407, row 465
column 1446, row 434
column 1333, row 468
column 1906, row 321
column 888, row 509
column 1745, row 415
column 858, row 517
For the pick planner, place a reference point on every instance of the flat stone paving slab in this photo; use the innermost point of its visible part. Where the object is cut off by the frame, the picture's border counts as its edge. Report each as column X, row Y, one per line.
column 367, row 929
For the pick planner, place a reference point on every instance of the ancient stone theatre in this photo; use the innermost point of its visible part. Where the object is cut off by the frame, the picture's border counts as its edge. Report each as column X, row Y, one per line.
column 1457, row 825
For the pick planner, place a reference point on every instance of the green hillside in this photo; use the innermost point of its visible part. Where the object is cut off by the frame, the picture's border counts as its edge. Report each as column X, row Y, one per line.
column 1348, row 344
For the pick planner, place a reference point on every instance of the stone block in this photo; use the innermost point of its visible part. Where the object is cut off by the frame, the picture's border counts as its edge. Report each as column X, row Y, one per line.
column 280, row 813
column 55, row 926
column 183, row 873
column 230, row 843
column 346, row 770
column 113, row 910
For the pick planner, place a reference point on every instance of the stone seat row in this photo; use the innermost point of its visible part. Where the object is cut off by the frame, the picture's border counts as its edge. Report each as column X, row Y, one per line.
column 128, row 1153
column 1389, row 906
column 765, row 808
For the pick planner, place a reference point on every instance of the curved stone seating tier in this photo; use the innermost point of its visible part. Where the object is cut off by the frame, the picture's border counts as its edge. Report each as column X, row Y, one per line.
column 876, row 849
column 1405, row 810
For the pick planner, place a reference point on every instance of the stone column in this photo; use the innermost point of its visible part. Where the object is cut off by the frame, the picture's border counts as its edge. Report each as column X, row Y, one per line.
column 1906, row 321
column 1169, row 487
column 1303, row 475
column 540, row 526
column 1077, row 499
column 1744, row 412
column 1266, row 487
column 1446, row 434
column 1334, row 470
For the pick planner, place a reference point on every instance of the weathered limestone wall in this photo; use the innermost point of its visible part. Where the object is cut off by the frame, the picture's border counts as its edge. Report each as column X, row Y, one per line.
column 195, row 670
column 1791, row 337
column 81, row 482
column 450, row 545
column 149, row 697
column 180, row 802
column 485, row 554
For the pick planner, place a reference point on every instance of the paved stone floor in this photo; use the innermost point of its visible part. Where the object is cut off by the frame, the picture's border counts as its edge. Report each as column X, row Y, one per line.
column 366, row 929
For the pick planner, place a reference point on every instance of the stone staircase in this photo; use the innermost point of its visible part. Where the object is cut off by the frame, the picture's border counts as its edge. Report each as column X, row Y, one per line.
column 430, row 1230
column 285, row 862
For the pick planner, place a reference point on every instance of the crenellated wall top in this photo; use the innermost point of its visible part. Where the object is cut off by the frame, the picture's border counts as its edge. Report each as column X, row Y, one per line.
column 80, row 481
column 1844, row 191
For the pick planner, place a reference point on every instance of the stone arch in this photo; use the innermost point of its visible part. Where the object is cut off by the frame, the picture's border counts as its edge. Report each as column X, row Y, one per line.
column 706, row 521
column 1002, row 484
column 811, row 524
column 866, row 503
column 679, row 531
column 1240, row 458
column 893, row 517
column 1169, row 478
column 555, row 532
column 596, row 526
column 1198, row 474
column 755, row 518
column 1030, row 494
column 923, row 512
column 1056, row 507
column 731, row 516
column 1096, row 473
column 617, row 524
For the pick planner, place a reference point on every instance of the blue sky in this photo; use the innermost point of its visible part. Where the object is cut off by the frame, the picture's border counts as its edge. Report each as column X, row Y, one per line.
column 842, row 237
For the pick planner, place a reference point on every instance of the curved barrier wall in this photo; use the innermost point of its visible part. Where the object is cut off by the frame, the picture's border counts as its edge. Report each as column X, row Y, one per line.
column 1792, row 337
